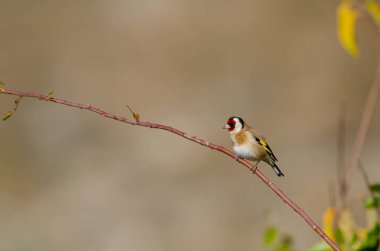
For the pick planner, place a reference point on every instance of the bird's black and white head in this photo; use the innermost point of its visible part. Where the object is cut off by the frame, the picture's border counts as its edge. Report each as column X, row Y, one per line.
column 234, row 124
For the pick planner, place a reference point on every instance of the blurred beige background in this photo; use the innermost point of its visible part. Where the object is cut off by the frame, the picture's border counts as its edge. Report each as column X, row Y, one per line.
column 72, row 180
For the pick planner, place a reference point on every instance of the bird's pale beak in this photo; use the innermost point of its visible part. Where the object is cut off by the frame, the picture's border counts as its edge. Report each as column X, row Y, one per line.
column 226, row 126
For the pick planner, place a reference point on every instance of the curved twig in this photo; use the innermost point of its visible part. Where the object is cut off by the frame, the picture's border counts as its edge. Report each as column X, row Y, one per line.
column 244, row 162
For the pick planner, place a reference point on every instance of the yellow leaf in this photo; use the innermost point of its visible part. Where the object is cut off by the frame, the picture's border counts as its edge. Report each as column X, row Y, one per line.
column 347, row 15
column 372, row 217
column 328, row 222
column 346, row 224
column 373, row 9
column 361, row 233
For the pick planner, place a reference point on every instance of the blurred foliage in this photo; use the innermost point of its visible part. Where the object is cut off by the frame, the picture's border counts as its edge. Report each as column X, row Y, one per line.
column 348, row 12
column 276, row 241
column 347, row 15
column 374, row 11
column 341, row 228
column 372, row 202
column 375, row 188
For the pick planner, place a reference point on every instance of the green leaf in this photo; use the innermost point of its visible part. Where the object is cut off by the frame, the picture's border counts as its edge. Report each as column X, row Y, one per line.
column 285, row 244
column 270, row 236
column 376, row 230
column 339, row 237
column 372, row 242
column 347, row 15
column 375, row 188
column 372, row 202
column 354, row 239
column 321, row 246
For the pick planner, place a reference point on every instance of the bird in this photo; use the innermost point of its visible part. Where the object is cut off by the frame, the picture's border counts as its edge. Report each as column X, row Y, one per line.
column 249, row 144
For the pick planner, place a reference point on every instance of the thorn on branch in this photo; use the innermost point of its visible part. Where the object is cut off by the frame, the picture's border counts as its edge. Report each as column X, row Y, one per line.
column 1, row 84
column 135, row 115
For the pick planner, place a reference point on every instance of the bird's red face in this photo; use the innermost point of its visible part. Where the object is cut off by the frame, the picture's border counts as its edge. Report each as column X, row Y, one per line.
column 234, row 125
column 230, row 125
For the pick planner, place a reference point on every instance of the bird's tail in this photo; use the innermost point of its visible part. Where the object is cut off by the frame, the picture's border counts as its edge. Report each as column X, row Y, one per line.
column 277, row 170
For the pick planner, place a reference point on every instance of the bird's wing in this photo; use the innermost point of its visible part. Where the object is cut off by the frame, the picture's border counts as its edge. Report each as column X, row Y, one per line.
column 260, row 139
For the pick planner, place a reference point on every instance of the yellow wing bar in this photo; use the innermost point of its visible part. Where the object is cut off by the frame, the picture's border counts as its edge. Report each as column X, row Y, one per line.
column 266, row 147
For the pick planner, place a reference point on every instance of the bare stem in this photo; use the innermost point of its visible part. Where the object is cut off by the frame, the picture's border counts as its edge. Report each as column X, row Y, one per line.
column 244, row 162
column 341, row 135
column 361, row 135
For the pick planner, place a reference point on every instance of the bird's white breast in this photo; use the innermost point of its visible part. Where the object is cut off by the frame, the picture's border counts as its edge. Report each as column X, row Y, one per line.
column 245, row 151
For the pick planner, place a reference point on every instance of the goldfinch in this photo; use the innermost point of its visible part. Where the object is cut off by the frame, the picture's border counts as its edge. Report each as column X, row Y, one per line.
column 250, row 144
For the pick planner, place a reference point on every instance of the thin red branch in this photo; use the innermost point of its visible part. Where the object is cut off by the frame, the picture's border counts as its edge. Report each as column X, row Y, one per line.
column 244, row 162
